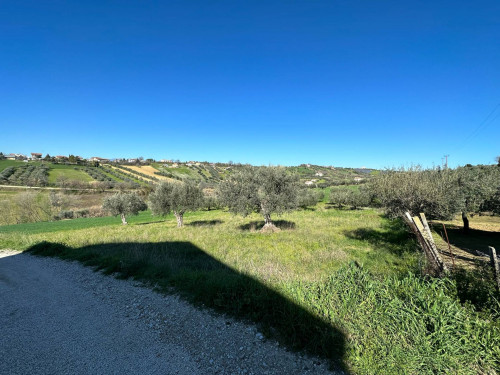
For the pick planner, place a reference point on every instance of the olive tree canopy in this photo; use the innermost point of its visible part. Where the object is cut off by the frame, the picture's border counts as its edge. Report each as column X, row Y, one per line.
column 124, row 204
column 476, row 186
column 440, row 194
column 177, row 198
column 416, row 190
column 268, row 190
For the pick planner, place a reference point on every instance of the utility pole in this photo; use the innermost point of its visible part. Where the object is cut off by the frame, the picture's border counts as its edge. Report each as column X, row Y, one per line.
column 446, row 163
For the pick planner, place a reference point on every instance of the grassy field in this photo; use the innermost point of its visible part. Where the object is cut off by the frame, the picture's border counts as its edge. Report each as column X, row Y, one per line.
column 311, row 244
column 9, row 163
column 338, row 283
column 68, row 171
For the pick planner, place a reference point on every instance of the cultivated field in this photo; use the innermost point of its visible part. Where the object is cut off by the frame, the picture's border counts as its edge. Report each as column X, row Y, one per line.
column 146, row 169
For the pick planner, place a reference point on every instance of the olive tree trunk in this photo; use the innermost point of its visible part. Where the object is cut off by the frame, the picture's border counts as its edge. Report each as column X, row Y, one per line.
column 124, row 221
column 180, row 218
column 268, row 224
column 267, row 218
column 465, row 219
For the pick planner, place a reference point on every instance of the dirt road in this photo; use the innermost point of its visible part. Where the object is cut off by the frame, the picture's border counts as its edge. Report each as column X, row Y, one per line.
column 59, row 317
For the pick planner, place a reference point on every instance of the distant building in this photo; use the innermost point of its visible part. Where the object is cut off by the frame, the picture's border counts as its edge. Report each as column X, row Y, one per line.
column 100, row 160
column 36, row 156
column 320, row 174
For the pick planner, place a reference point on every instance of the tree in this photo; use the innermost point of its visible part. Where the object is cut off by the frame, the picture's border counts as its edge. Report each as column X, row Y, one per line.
column 267, row 190
column 440, row 194
column 211, row 202
column 416, row 190
column 339, row 197
column 124, row 204
column 176, row 197
column 476, row 185
column 308, row 197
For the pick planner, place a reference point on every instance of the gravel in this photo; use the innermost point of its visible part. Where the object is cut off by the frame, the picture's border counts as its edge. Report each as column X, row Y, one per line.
column 58, row 317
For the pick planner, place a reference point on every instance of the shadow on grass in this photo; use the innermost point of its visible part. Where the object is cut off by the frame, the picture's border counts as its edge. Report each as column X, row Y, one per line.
column 257, row 225
column 204, row 223
column 149, row 222
column 332, row 206
column 393, row 236
column 203, row 280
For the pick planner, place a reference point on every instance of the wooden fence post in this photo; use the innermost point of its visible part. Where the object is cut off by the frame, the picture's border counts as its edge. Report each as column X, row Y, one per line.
column 494, row 264
column 421, row 229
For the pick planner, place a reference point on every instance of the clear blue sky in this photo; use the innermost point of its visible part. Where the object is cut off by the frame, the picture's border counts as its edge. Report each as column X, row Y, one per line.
column 344, row 83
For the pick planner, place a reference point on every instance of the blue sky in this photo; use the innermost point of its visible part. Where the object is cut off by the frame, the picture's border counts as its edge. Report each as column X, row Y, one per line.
column 344, row 83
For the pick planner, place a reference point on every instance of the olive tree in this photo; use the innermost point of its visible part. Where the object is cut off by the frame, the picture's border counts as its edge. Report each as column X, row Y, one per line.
column 339, row 197
column 440, row 194
column 307, row 197
column 177, row 197
column 476, row 186
column 268, row 190
column 124, row 204
column 416, row 190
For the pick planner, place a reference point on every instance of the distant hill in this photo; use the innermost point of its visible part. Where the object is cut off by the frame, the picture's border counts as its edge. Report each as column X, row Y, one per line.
column 133, row 175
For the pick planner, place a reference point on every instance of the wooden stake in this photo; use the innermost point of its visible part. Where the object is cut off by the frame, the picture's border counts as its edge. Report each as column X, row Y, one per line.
column 449, row 246
column 424, row 236
column 494, row 264
column 434, row 248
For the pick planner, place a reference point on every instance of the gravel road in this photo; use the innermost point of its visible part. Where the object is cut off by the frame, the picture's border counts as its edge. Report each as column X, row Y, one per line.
column 59, row 317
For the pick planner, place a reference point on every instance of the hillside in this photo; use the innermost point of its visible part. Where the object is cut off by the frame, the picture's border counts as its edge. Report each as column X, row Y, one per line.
column 111, row 175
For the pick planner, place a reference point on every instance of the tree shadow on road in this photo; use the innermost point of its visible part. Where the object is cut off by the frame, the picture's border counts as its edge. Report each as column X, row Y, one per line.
column 205, row 281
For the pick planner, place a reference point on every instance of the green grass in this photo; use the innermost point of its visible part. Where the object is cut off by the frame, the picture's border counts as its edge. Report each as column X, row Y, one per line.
column 303, row 284
column 72, row 225
column 321, row 242
column 68, row 171
column 10, row 163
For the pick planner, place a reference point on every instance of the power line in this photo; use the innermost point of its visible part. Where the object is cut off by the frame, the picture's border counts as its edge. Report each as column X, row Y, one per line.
column 482, row 125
